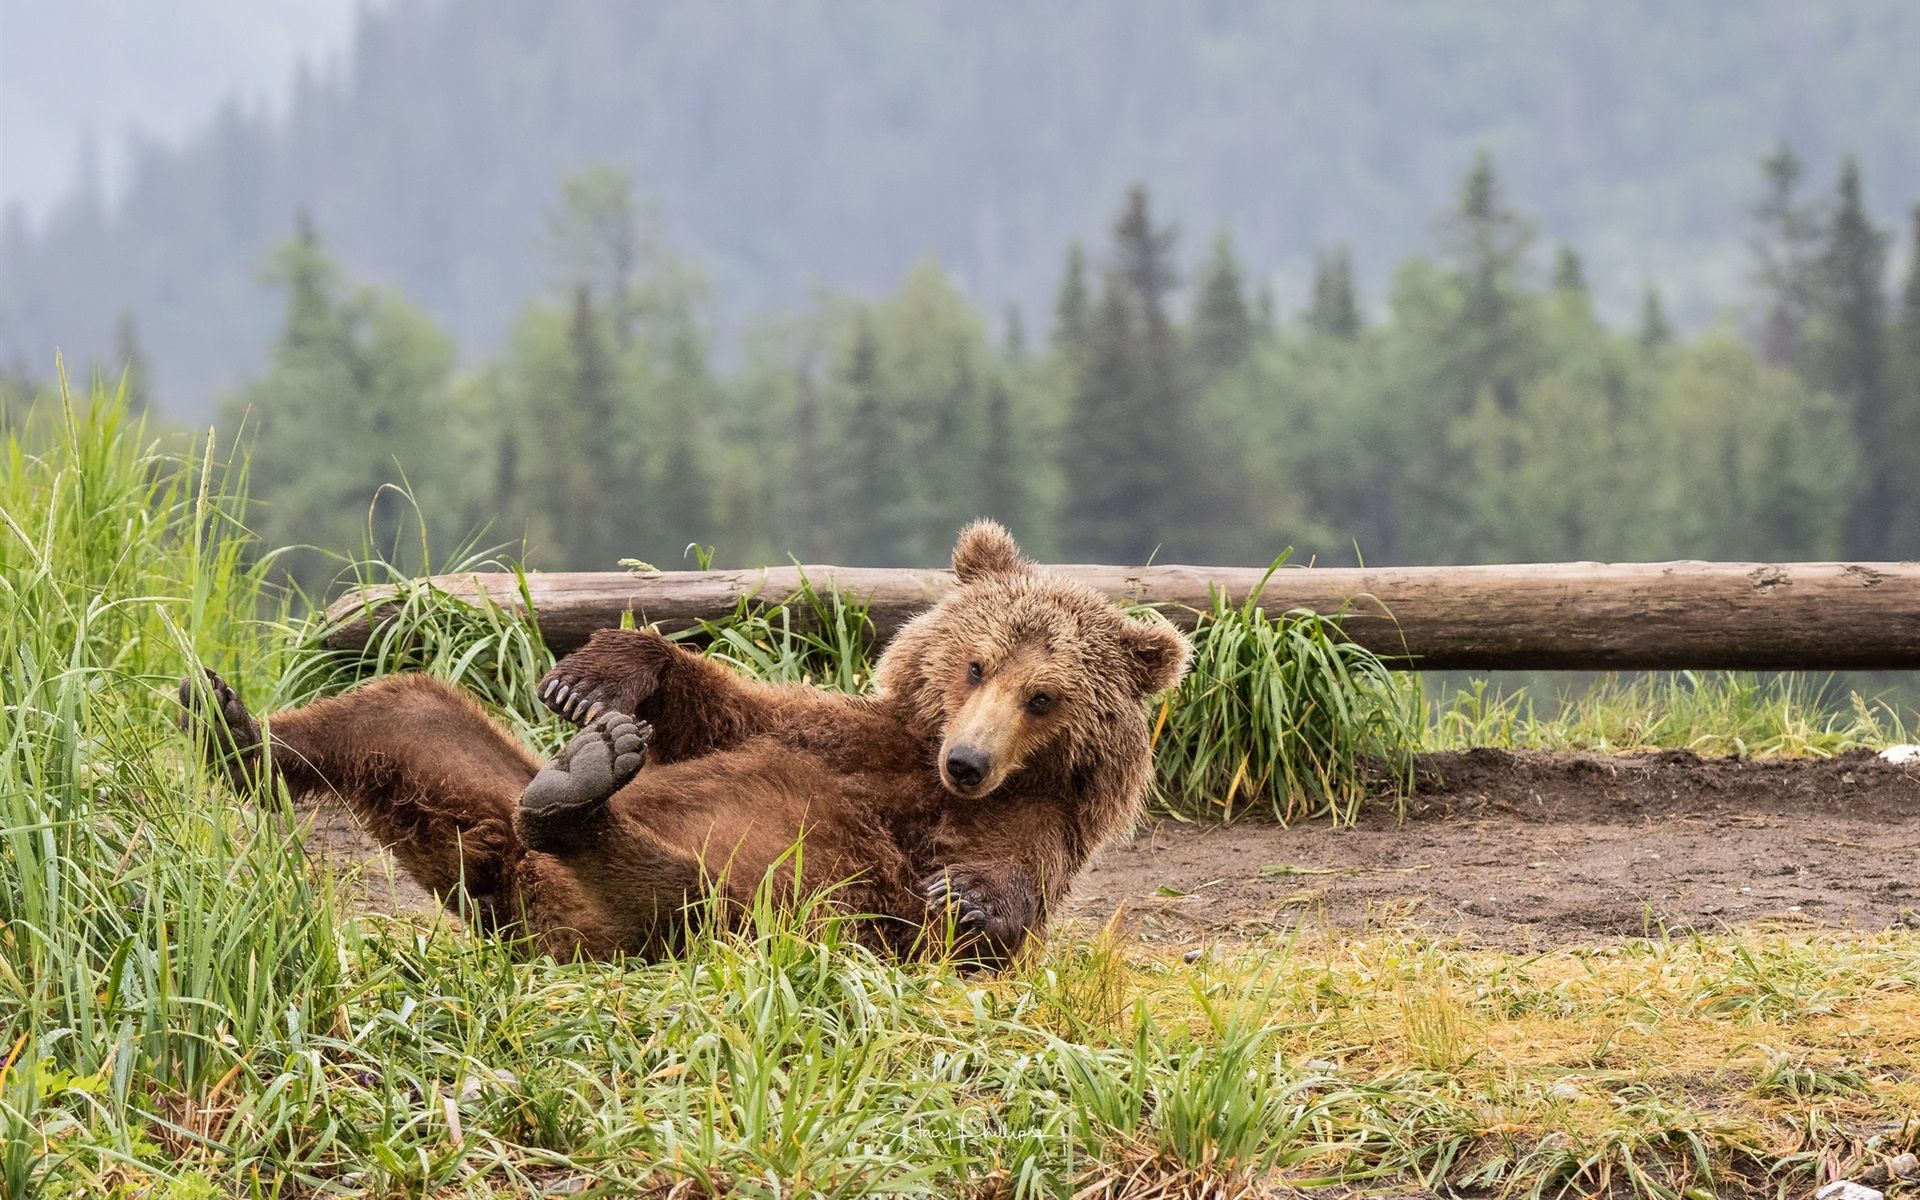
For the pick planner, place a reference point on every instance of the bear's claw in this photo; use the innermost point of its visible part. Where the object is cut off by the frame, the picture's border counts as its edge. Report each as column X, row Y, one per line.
column 600, row 760
column 211, row 709
column 577, row 704
column 943, row 894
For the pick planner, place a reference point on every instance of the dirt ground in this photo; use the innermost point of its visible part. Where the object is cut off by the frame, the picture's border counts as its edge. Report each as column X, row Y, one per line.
column 1517, row 851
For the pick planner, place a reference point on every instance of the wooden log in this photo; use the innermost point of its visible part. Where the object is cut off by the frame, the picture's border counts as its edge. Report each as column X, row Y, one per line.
column 1586, row 616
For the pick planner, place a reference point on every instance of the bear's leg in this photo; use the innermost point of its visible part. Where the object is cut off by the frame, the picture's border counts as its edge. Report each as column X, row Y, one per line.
column 573, row 814
column 419, row 763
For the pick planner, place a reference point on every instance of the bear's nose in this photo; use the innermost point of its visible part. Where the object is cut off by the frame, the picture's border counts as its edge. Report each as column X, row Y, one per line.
column 967, row 766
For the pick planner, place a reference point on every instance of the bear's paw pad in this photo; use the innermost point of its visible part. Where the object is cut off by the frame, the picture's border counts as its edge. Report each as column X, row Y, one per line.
column 600, row 760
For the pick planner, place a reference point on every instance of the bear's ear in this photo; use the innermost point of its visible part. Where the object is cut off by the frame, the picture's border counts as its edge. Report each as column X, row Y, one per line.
column 985, row 548
column 1157, row 654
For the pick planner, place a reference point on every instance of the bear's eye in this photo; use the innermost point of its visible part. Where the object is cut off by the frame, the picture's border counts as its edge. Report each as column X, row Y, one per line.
column 1039, row 702
column 974, row 673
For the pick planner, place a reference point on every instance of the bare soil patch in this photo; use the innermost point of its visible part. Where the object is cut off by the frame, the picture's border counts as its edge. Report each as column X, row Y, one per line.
column 1527, row 850
column 1510, row 850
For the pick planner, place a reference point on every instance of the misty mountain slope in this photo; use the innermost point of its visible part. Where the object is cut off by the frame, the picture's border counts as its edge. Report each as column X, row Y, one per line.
column 792, row 145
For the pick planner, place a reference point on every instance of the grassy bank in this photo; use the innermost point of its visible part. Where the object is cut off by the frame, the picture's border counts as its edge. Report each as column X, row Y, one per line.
column 186, row 1009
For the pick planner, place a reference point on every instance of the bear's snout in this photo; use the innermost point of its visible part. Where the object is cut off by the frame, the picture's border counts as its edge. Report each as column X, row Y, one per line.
column 966, row 766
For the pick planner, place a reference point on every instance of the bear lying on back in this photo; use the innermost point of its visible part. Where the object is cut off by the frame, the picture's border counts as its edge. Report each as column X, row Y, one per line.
column 1004, row 743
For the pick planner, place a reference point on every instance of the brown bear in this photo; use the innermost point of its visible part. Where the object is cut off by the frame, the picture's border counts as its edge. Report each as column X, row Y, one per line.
column 1005, row 741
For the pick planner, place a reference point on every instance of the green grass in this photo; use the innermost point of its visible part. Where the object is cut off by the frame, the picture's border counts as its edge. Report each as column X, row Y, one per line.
column 188, row 1008
column 1278, row 713
column 1718, row 713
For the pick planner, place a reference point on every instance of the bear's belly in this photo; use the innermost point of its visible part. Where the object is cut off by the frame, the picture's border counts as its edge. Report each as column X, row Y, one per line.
column 744, row 811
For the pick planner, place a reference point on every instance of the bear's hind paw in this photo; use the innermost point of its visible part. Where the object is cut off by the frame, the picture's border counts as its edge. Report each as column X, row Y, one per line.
column 600, row 760
column 214, row 713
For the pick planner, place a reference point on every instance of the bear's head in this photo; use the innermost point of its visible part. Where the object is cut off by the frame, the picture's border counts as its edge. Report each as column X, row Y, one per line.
column 1019, row 669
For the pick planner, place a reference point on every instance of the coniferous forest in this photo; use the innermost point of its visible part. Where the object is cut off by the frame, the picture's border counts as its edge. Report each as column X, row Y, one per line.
column 1480, row 410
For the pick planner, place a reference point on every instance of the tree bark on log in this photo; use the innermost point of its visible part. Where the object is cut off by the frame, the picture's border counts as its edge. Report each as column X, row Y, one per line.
column 1585, row 616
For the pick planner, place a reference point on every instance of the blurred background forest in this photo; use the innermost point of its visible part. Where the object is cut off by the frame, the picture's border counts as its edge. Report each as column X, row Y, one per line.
column 1422, row 283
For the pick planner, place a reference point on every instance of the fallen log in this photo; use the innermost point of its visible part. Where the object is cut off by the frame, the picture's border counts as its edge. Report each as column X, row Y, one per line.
column 1585, row 616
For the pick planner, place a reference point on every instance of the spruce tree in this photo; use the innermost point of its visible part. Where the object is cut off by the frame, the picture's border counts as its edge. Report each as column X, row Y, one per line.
column 595, row 240
column 355, row 395
column 681, row 511
column 1786, row 247
column 1072, row 305
column 1106, row 458
column 1266, row 310
column 1486, row 241
column 1569, row 275
column 1655, row 330
column 1334, row 310
column 131, row 358
column 1910, row 298
column 809, row 516
column 1850, row 359
column 1222, row 321
column 1015, row 337
column 1158, row 404
column 873, row 516
column 1003, row 471
column 1905, row 419
column 595, row 506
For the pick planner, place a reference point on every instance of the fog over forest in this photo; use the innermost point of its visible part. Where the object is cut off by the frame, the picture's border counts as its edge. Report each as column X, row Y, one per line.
column 787, row 147
column 1410, row 283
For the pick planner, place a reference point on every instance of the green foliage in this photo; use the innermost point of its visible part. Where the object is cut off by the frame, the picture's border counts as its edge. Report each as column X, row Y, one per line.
column 1709, row 712
column 1280, row 715
column 1482, row 418
column 358, row 394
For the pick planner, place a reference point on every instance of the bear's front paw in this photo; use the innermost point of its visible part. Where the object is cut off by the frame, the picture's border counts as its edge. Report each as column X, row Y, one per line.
column 959, row 895
column 616, row 670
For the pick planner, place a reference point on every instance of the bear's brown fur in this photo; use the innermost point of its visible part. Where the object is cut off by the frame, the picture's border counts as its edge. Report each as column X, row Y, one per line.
column 1005, row 741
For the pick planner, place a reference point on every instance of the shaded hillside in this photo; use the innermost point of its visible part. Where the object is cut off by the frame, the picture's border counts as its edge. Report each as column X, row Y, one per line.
column 795, row 144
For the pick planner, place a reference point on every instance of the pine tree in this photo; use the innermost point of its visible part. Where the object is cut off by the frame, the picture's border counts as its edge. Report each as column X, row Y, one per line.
column 131, row 358
column 1072, row 304
column 1486, row 241
column 1015, row 338
column 810, row 514
column 1108, row 452
column 1850, row 358
column 1003, row 470
column 874, row 509
column 1569, row 275
column 1222, row 322
column 1786, row 246
column 1334, row 310
column 1655, row 330
column 1905, row 419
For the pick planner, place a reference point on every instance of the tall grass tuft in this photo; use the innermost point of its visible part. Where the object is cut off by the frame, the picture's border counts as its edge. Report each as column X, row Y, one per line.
column 1283, row 714
column 157, row 936
column 822, row 638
